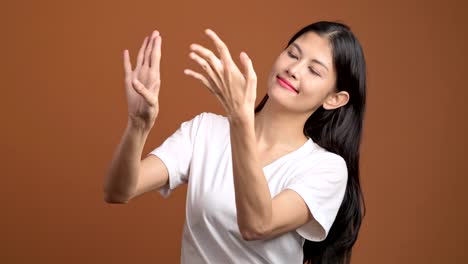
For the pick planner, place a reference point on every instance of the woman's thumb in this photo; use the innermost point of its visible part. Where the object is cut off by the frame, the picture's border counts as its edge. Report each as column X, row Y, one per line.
column 141, row 89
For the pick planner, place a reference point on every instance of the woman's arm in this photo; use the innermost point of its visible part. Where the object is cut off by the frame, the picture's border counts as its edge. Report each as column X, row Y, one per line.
column 122, row 176
column 253, row 197
column 237, row 93
column 142, row 86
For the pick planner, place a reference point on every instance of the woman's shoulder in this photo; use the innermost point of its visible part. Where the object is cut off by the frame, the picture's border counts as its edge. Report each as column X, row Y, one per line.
column 317, row 154
column 213, row 118
column 320, row 161
column 212, row 115
column 212, row 124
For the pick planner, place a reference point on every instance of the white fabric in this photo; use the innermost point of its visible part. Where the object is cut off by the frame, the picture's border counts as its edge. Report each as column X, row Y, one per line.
column 199, row 153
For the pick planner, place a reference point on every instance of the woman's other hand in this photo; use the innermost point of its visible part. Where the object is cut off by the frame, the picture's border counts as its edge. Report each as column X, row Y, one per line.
column 142, row 83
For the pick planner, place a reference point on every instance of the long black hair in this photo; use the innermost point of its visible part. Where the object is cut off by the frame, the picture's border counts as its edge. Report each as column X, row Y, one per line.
column 339, row 131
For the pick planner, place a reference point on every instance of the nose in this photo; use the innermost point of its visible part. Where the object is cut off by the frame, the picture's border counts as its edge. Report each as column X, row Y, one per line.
column 293, row 70
column 291, row 74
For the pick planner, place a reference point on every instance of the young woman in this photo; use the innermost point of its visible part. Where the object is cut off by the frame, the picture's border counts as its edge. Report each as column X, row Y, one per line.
column 275, row 183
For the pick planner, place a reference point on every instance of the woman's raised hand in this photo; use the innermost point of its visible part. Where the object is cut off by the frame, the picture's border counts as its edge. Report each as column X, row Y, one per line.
column 235, row 90
column 142, row 83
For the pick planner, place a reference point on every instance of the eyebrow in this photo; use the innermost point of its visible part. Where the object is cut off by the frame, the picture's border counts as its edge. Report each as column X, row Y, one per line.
column 312, row 60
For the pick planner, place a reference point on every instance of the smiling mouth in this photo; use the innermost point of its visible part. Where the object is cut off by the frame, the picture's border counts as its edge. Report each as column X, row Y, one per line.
column 286, row 85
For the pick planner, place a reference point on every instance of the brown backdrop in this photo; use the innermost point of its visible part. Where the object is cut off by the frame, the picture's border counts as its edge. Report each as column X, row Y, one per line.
column 64, row 111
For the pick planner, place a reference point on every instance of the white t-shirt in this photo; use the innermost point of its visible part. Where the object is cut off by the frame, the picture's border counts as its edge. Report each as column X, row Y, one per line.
column 199, row 153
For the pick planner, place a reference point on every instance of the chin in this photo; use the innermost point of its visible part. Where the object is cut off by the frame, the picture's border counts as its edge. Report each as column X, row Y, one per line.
column 279, row 97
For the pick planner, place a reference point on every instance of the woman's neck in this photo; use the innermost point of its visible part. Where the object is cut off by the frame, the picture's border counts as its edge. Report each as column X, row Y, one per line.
column 276, row 128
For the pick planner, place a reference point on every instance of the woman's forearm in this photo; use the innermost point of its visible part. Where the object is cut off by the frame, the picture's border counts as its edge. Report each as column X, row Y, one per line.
column 122, row 175
column 253, row 197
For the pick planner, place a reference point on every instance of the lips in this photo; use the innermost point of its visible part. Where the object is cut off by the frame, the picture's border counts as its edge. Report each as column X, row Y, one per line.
column 284, row 82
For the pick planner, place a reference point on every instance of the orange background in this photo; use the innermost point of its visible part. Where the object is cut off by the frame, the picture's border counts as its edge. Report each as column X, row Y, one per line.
column 64, row 111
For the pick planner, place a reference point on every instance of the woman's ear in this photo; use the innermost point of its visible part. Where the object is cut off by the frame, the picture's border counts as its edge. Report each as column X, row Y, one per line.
column 336, row 100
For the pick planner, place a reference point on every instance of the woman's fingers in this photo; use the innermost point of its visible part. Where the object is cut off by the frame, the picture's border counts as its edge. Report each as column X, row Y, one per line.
column 149, row 48
column 127, row 64
column 208, row 83
column 210, row 57
column 207, row 67
column 221, row 47
column 141, row 54
column 200, row 77
column 156, row 54
column 249, row 71
column 250, row 77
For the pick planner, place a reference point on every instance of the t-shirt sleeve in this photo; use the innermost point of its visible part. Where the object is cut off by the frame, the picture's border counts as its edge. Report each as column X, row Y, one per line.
column 322, row 185
column 176, row 153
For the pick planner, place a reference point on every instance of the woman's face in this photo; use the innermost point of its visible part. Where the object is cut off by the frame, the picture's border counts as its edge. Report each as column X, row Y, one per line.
column 307, row 66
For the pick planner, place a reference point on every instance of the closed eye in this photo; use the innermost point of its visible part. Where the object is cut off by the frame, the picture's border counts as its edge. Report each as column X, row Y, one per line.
column 314, row 72
column 292, row 55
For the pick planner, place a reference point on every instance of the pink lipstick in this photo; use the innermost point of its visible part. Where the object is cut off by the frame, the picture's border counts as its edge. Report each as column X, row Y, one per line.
column 284, row 83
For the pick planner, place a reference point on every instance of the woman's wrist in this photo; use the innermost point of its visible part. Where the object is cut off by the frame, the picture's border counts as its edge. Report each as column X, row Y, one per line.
column 139, row 125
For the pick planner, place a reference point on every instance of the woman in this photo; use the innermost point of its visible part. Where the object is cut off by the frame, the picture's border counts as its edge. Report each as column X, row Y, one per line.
column 276, row 183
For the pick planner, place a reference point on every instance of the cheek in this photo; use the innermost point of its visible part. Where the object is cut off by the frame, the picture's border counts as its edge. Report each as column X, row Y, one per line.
column 315, row 86
column 274, row 71
column 278, row 64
